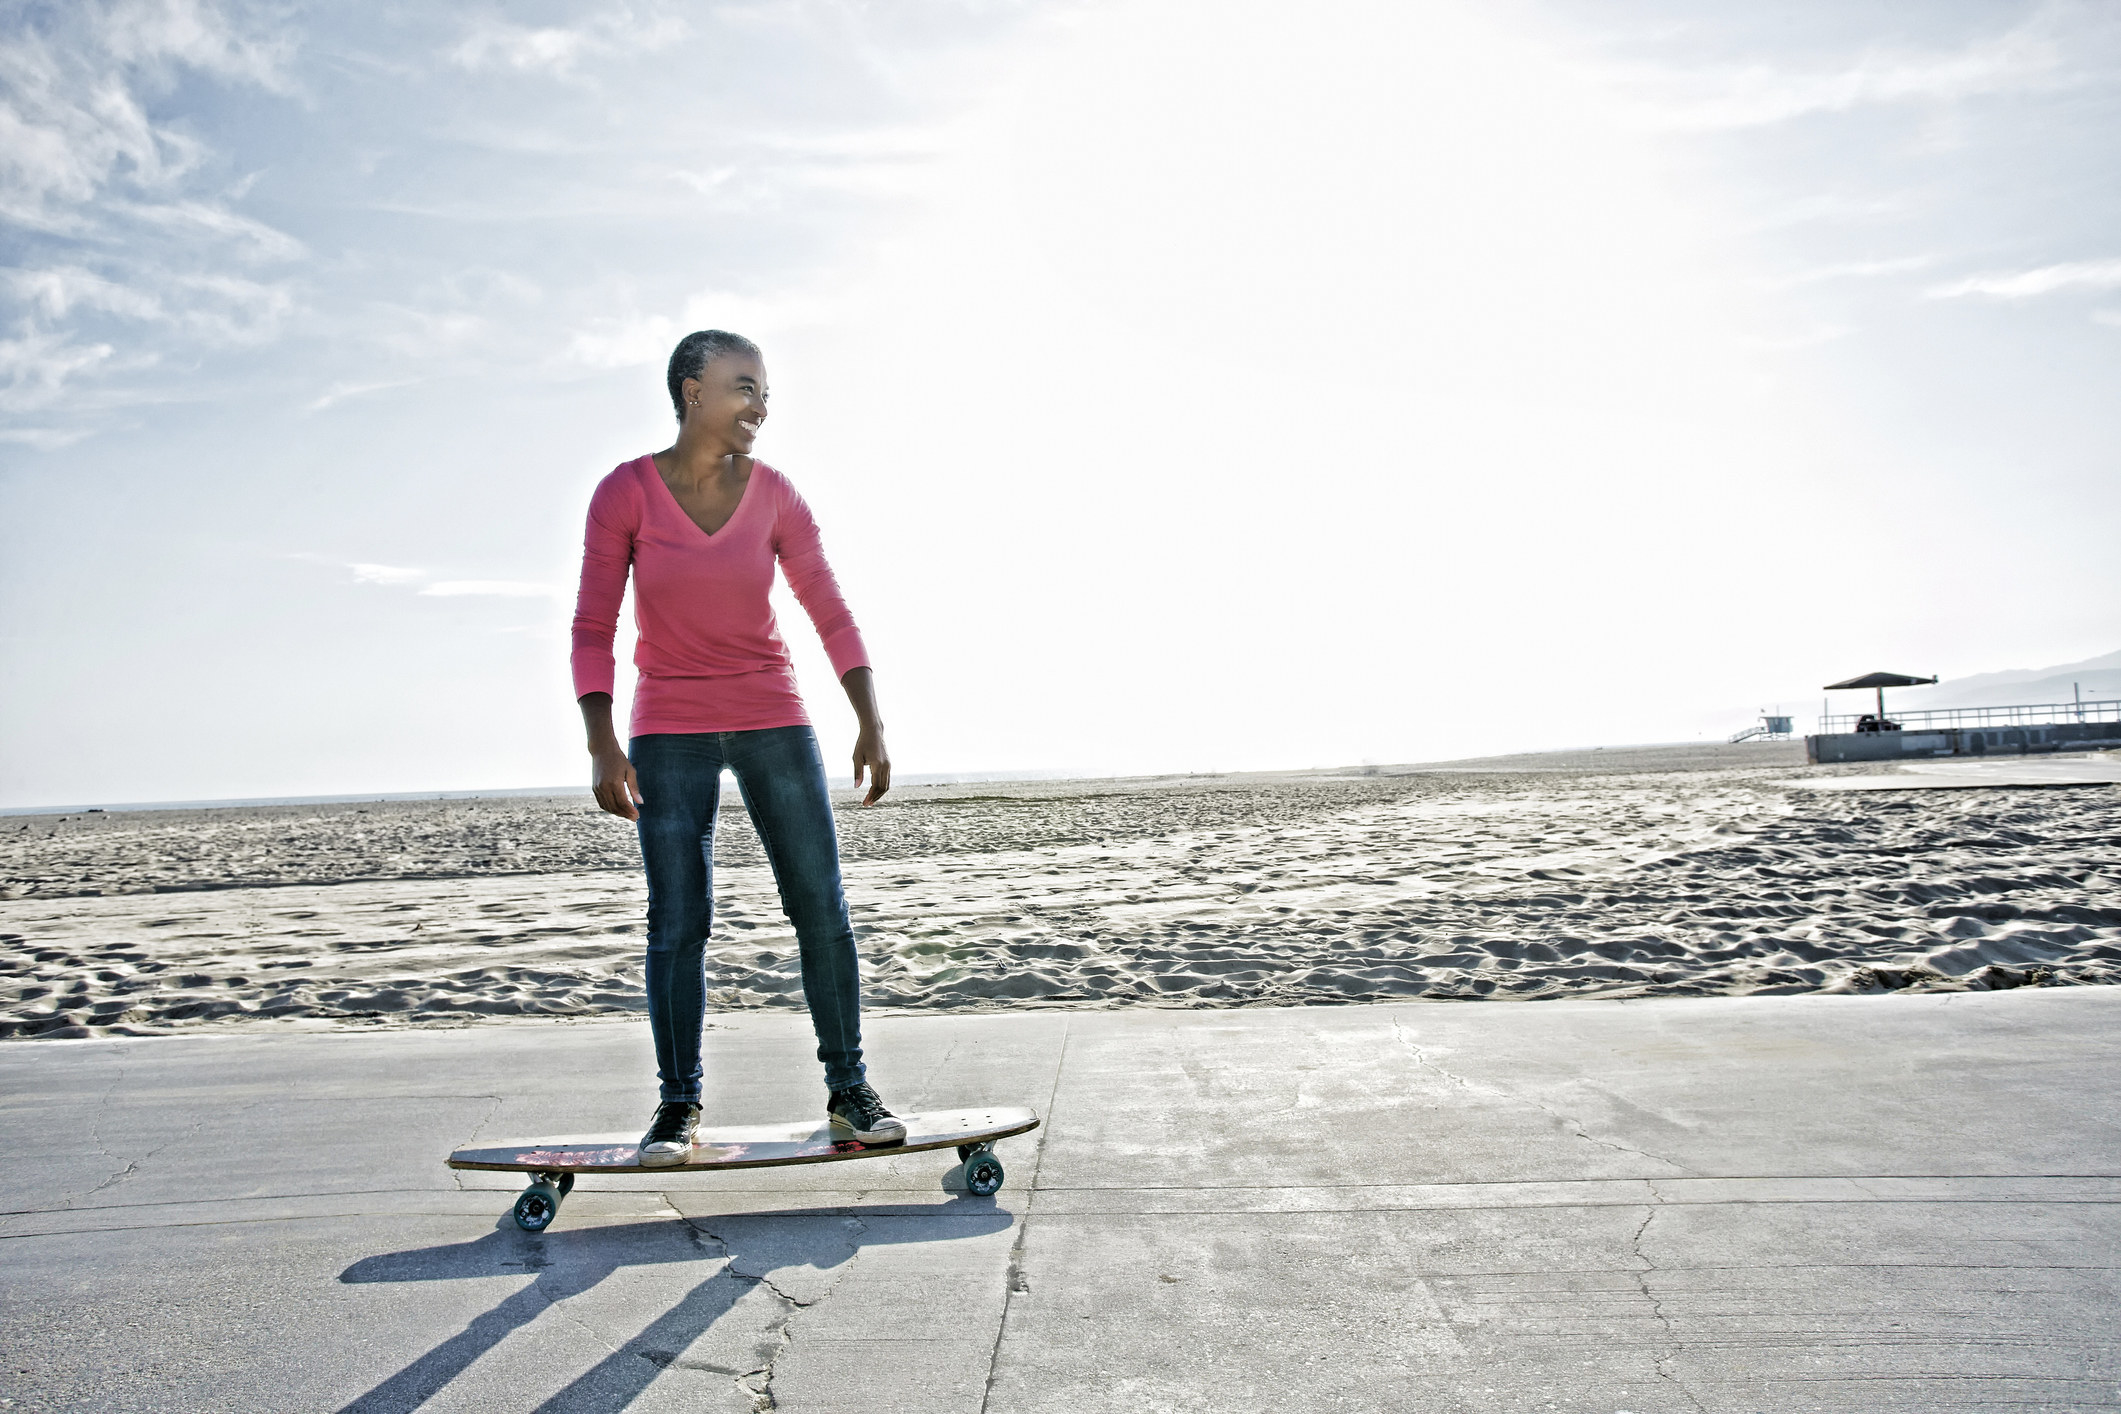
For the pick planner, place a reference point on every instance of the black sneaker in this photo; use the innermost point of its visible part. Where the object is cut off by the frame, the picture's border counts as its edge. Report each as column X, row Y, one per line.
column 669, row 1138
column 858, row 1110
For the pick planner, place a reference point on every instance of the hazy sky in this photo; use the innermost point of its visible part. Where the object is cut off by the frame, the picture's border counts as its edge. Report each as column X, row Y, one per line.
column 1179, row 386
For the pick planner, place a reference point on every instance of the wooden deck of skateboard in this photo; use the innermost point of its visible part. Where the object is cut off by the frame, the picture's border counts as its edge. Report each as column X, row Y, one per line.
column 745, row 1146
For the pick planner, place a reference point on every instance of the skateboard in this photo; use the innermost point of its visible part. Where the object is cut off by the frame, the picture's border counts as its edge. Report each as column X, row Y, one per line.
column 553, row 1163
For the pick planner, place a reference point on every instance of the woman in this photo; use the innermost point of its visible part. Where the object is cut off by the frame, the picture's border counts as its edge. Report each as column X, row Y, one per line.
column 701, row 525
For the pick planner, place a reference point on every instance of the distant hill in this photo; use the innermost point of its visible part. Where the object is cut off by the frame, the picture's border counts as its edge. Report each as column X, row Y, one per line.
column 2100, row 679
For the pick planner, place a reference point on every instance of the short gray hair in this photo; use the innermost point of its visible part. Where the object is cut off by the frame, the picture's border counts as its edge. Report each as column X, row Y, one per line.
column 692, row 355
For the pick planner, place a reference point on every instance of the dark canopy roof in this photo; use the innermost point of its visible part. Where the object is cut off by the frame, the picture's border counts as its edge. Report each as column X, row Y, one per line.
column 1880, row 680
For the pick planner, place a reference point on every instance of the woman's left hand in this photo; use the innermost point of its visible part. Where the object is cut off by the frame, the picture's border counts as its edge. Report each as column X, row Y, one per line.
column 869, row 753
column 869, row 750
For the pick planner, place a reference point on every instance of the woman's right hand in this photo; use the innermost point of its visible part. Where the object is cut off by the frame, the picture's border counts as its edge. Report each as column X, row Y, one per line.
column 617, row 789
column 611, row 775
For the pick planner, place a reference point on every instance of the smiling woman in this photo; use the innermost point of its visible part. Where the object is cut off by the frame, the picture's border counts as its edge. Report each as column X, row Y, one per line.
column 701, row 526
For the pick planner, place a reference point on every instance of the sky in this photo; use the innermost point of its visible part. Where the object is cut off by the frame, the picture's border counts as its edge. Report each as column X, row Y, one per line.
column 1179, row 386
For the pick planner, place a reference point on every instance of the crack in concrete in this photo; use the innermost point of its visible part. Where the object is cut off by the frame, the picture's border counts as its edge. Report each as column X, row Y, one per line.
column 119, row 1176
column 928, row 1080
column 1662, row 1361
column 783, row 1327
column 1574, row 1125
column 762, row 1396
column 1017, row 1284
column 493, row 1108
column 95, row 1136
column 552, row 1303
column 132, row 1166
column 659, row 1359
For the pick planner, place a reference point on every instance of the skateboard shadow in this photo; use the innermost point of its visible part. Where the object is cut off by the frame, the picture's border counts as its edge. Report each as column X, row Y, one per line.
column 570, row 1261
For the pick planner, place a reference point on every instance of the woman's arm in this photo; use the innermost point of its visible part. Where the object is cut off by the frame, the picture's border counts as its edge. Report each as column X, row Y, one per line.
column 611, row 775
column 802, row 557
column 607, row 556
column 869, row 737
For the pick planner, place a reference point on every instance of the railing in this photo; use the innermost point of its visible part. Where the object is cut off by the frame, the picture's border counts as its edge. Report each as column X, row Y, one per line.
column 1948, row 718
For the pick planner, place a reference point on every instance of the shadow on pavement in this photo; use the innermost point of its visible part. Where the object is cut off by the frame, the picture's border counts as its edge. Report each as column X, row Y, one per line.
column 569, row 1262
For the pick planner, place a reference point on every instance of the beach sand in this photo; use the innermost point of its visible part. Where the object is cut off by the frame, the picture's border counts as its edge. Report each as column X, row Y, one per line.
column 1643, row 872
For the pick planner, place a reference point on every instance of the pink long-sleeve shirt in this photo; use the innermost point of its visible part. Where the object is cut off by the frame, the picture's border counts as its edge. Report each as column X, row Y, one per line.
column 710, row 655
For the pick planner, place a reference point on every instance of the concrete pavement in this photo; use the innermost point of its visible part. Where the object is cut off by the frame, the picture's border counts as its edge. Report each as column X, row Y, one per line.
column 1767, row 1204
column 2017, row 772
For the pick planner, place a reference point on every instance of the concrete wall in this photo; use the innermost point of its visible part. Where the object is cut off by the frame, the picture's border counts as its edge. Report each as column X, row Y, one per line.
column 1961, row 741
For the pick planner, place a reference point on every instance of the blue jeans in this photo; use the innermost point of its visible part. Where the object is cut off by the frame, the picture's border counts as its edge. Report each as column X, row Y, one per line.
column 782, row 779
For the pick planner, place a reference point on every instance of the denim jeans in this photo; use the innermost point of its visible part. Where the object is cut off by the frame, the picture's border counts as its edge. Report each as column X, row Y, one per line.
column 782, row 779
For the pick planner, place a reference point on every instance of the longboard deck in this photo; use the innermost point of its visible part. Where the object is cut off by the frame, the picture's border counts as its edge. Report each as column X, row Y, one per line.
column 747, row 1146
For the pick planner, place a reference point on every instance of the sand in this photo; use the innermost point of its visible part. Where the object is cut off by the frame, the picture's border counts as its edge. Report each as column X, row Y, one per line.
column 1680, row 871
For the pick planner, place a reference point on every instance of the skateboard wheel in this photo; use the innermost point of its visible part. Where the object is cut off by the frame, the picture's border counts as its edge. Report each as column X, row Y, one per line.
column 536, row 1207
column 566, row 1184
column 983, row 1175
column 966, row 1151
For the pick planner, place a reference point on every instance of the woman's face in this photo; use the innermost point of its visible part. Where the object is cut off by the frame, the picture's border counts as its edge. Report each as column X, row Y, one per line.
column 728, row 400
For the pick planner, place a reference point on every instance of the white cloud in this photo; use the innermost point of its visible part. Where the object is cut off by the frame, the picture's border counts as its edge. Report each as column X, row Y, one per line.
column 224, row 308
column 44, row 439
column 1795, row 343
column 386, row 574
column 2111, row 318
column 246, row 237
column 54, row 293
column 198, row 35
column 64, row 135
column 496, row 44
column 555, row 49
column 74, row 123
column 34, row 368
column 114, row 221
column 502, row 588
column 627, row 342
column 365, row 572
column 427, row 333
column 2036, row 55
column 705, row 183
column 2024, row 284
column 233, row 310
column 1856, row 270
column 636, row 340
column 340, row 392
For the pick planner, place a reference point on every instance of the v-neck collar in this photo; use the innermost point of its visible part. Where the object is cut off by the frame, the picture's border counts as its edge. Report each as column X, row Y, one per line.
column 743, row 498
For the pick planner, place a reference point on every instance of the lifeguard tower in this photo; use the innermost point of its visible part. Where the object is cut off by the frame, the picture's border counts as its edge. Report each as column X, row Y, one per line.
column 1769, row 728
